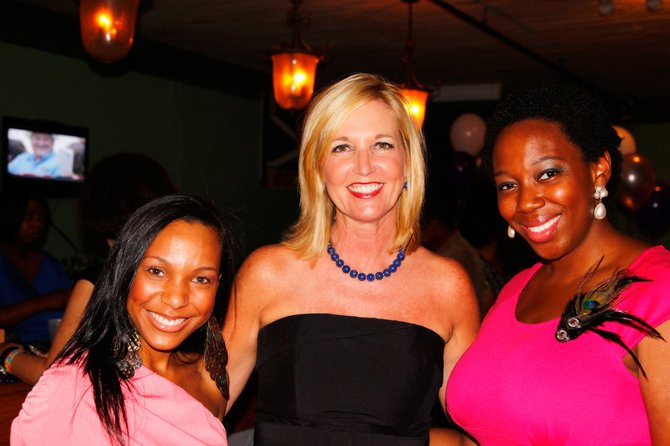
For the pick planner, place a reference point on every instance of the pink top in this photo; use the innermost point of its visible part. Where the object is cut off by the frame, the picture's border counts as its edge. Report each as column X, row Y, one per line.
column 517, row 385
column 60, row 411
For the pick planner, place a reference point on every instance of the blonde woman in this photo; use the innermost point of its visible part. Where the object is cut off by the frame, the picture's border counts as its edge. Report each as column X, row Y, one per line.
column 352, row 327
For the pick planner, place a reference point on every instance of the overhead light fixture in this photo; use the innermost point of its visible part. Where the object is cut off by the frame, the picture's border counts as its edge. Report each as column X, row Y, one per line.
column 294, row 68
column 413, row 90
column 108, row 28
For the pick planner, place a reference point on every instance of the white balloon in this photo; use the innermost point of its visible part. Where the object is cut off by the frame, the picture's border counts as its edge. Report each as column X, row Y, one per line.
column 467, row 134
column 628, row 144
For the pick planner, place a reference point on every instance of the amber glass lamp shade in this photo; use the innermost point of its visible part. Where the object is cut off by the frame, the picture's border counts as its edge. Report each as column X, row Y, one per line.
column 108, row 28
column 293, row 79
column 417, row 103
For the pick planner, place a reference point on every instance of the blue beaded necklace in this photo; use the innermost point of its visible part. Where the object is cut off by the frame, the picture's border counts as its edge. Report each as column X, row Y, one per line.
column 346, row 269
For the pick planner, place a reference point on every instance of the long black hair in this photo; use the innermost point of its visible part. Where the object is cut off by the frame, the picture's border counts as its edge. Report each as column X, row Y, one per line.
column 101, row 341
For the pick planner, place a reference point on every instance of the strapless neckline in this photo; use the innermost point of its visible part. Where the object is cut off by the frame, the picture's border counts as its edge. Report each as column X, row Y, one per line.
column 361, row 319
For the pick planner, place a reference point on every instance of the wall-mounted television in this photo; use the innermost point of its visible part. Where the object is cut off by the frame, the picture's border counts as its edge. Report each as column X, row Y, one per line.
column 44, row 157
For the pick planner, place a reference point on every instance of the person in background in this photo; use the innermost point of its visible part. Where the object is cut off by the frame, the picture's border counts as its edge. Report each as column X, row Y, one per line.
column 147, row 363
column 41, row 162
column 115, row 188
column 33, row 284
column 351, row 325
column 575, row 349
column 441, row 234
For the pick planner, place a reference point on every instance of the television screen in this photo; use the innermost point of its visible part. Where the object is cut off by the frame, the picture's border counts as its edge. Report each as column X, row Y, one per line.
column 47, row 157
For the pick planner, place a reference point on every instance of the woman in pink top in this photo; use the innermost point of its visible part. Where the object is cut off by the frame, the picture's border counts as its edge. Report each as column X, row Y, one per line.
column 565, row 356
column 147, row 363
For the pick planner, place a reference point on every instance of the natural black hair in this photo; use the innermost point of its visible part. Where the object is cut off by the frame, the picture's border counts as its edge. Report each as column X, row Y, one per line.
column 115, row 187
column 13, row 208
column 102, row 338
column 581, row 115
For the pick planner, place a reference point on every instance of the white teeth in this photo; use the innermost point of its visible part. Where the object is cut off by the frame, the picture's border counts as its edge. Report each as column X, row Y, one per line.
column 365, row 188
column 544, row 226
column 165, row 321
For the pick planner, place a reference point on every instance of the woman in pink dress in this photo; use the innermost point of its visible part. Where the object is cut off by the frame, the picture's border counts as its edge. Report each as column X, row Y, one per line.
column 572, row 353
column 147, row 363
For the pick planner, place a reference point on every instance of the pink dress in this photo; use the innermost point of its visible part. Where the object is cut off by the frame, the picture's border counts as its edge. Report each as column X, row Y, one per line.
column 60, row 411
column 517, row 385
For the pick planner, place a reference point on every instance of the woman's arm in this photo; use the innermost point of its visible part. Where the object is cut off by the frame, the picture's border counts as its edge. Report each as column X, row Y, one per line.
column 28, row 367
column 240, row 329
column 463, row 308
column 654, row 354
column 81, row 294
column 457, row 301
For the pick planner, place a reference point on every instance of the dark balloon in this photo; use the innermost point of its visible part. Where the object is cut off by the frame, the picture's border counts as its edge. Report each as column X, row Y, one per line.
column 461, row 169
column 637, row 181
column 654, row 217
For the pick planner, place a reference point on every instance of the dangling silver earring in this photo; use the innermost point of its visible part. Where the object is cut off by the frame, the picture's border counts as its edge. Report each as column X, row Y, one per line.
column 132, row 360
column 510, row 232
column 600, row 212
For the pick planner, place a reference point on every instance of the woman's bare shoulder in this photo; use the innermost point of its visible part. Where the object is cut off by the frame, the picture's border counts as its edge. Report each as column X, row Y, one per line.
column 267, row 265
column 270, row 257
column 446, row 281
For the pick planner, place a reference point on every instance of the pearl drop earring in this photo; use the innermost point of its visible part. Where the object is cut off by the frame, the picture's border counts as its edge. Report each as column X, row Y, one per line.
column 600, row 212
column 510, row 232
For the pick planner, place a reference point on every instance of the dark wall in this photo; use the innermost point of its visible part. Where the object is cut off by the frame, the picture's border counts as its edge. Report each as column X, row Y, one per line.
column 208, row 140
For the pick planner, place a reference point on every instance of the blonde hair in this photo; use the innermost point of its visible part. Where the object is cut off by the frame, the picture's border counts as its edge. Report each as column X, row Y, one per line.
column 325, row 116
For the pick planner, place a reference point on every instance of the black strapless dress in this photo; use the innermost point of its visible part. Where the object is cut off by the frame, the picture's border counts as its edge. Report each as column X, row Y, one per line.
column 334, row 380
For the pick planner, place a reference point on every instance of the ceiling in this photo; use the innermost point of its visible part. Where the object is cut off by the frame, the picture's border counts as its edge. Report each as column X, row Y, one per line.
column 625, row 55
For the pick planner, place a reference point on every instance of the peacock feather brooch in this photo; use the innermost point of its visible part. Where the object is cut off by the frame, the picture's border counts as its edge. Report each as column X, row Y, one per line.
column 588, row 311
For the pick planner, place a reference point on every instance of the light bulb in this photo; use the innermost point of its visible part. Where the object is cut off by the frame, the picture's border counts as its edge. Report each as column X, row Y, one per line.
column 108, row 28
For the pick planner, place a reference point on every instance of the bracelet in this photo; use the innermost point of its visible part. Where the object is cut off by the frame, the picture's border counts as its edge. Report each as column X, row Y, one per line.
column 10, row 357
column 6, row 352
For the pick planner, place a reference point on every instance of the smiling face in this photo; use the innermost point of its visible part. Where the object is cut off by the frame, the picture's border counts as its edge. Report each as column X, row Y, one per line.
column 43, row 144
column 175, row 286
column 545, row 188
column 364, row 169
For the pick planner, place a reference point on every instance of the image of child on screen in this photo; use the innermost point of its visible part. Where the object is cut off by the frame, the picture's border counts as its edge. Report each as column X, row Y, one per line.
column 42, row 161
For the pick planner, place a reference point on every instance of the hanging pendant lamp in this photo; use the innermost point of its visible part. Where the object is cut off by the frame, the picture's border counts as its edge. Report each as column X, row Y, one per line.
column 108, row 28
column 294, row 68
column 412, row 89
